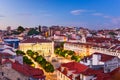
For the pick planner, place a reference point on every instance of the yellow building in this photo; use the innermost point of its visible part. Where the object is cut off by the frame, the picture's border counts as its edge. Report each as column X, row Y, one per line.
column 42, row 46
column 81, row 49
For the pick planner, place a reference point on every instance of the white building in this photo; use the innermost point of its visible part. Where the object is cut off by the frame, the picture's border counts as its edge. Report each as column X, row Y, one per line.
column 7, row 49
column 100, row 60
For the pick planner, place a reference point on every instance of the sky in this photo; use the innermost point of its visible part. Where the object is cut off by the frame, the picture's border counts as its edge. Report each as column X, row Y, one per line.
column 92, row 14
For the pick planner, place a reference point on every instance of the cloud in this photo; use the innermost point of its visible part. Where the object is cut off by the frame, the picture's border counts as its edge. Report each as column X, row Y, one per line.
column 97, row 14
column 78, row 12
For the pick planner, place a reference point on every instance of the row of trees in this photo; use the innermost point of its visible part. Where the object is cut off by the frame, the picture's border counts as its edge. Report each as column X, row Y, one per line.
column 32, row 31
column 47, row 66
column 19, row 52
column 44, row 64
column 25, row 58
column 76, row 58
column 67, row 53
column 20, row 29
column 63, row 53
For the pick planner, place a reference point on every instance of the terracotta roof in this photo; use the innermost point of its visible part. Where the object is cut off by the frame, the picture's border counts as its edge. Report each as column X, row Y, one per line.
column 78, row 68
column 104, row 57
column 78, row 43
column 75, row 66
column 99, row 74
column 5, row 54
column 115, row 71
column 115, row 41
column 89, row 72
column 28, row 70
column 35, row 40
column 102, row 40
column 7, row 61
column 98, row 39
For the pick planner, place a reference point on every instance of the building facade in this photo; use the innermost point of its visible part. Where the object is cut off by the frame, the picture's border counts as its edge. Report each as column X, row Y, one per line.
column 42, row 46
column 78, row 71
column 87, row 49
column 79, row 48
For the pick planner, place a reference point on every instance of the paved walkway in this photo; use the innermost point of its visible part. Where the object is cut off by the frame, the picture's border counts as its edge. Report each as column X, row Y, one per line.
column 49, row 76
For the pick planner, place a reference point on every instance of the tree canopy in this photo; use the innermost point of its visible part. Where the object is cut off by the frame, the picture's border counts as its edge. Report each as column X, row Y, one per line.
column 47, row 66
column 33, row 32
column 112, row 33
column 19, row 52
column 30, row 53
column 76, row 58
column 64, row 53
column 20, row 29
column 27, row 61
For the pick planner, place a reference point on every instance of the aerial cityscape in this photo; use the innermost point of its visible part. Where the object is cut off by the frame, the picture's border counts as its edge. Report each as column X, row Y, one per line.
column 59, row 40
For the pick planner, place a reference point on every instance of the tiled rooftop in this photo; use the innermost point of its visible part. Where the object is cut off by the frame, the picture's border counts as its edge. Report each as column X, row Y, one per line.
column 34, row 40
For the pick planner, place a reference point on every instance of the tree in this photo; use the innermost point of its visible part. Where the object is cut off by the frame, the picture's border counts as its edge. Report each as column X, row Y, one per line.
column 65, row 55
column 33, row 32
column 20, row 29
column 112, row 33
column 43, row 62
column 70, row 52
column 27, row 61
column 76, row 58
column 19, row 52
column 15, row 32
column 39, row 58
column 49, row 67
column 30, row 53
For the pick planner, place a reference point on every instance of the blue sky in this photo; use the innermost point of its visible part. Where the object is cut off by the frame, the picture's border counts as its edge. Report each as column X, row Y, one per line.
column 93, row 14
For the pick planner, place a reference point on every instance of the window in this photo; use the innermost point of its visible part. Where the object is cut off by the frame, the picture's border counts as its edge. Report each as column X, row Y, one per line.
column 108, row 70
column 2, row 74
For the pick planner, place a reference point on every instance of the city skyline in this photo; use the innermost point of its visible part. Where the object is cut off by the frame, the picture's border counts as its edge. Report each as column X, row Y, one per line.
column 79, row 13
